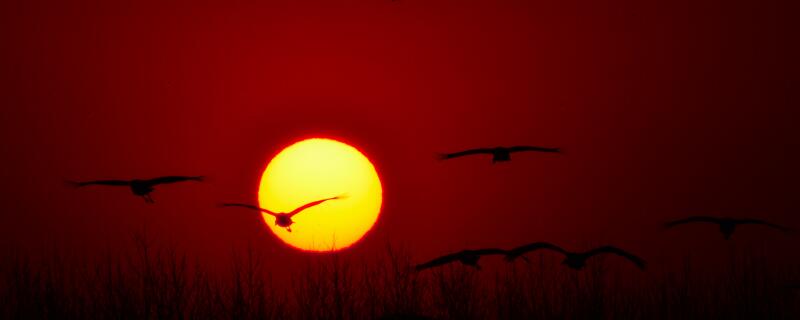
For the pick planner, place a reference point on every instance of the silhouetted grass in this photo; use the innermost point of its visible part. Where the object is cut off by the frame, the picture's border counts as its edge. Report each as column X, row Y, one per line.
column 158, row 282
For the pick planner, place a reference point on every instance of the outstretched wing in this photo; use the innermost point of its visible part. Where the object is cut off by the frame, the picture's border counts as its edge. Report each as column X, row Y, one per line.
column 763, row 223
column 533, row 148
column 311, row 204
column 438, row 261
column 248, row 206
column 173, row 179
column 518, row 251
column 692, row 220
column 466, row 153
column 115, row 183
column 622, row 253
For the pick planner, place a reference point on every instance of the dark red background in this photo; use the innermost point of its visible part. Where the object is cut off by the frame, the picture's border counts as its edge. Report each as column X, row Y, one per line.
column 663, row 110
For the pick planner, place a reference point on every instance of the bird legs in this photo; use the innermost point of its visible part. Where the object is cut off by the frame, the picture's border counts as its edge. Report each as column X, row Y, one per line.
column 148, row 199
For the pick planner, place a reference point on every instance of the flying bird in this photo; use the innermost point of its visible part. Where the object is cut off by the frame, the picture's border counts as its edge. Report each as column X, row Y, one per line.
column 282, row 219
column 499, row 154
column 726, row 225
column 466, row 257
column 574, row 260
column 139, row 187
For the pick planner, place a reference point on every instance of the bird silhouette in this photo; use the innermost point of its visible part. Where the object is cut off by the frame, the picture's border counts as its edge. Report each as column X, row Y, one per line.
column 499, row 154
column 139, row 187
column 283, row 219
column 726, row 225
column 466, row 257
column 574, row 260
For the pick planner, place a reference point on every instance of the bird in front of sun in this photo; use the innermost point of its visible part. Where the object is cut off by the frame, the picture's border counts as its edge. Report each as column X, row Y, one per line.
column 574, row 260
column 283, row 219
column 139, row 187
column 499, row 154
column 466, row 257
column 726, row 225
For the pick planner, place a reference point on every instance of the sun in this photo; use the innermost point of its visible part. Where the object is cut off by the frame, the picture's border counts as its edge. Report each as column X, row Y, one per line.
column 315, row 169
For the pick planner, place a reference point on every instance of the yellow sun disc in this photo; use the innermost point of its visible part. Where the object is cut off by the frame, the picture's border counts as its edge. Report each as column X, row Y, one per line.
column 316, row 169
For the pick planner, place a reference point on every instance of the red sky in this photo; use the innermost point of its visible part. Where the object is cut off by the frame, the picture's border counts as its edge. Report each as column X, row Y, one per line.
column 663, row 110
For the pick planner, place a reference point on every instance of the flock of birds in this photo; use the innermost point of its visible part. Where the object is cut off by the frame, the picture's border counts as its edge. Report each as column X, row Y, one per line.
column 574, row 260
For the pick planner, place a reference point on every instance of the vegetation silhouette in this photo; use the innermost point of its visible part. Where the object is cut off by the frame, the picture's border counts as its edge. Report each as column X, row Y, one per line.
column 139, row 187
column 150, row 281
column 499, row 154
column 726, row 225
column 283, row 219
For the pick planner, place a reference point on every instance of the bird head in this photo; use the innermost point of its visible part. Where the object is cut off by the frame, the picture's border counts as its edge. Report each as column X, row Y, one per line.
column 574, row 263
column 283, row 220
column 470, row 260
column 511, row 257
column 727, row 230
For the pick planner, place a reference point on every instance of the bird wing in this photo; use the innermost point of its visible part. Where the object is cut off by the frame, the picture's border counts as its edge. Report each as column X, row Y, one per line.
column 311, row 204
column 116, row 183
column 622, row 253
column 438, row 261
column 533, row 148
column 691, row 220
column 763, row 223
column 249, row 206
column 173, row 179
column 466, row 153
column 518, row 251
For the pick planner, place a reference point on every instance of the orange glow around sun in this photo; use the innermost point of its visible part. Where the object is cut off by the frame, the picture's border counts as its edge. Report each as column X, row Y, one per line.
column 315, row 169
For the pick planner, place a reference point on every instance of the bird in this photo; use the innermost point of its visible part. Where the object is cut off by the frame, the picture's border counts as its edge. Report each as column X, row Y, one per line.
column 283, row 219
column 574, row 260
column 726, row 225
column 139, row 187
column 466, row 257
column 499, row 154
